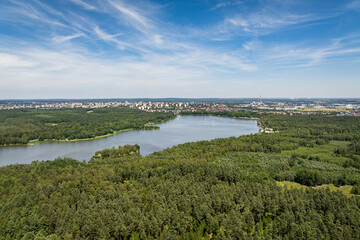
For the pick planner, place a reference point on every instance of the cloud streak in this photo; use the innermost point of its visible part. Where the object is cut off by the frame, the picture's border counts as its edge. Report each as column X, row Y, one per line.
column 132, row 15
column 223, row 4
column 83, row 4
column 61, row 39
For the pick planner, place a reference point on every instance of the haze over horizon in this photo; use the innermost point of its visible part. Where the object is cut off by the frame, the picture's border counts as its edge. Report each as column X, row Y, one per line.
column 186, row 49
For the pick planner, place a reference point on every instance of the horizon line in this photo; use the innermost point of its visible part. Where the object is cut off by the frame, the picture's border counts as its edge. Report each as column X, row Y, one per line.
column 197, row 98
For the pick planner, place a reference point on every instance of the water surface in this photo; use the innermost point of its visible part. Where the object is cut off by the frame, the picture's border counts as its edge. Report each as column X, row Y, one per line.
column 182, row 129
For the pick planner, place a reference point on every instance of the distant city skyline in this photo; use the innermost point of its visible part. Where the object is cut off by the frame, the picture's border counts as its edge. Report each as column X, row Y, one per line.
column 80, row 49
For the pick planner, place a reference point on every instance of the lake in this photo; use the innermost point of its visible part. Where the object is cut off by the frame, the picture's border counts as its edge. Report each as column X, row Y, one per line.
column 180, row 130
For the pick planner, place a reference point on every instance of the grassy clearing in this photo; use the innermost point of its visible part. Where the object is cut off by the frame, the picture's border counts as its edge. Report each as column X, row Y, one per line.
column 344, row 189
column 324, row 153
column 290, row 185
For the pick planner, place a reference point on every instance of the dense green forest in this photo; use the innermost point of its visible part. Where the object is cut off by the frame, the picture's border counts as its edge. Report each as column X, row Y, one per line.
column 218, row 189
column 315, row 126
column 22, row 126
column 121, row 151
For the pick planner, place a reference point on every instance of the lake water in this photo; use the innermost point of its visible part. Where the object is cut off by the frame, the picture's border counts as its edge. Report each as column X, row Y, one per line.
column 182, row 129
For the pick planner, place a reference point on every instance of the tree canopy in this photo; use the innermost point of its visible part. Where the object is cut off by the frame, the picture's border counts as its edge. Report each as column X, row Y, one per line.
column 218, row 189
column 23, row 125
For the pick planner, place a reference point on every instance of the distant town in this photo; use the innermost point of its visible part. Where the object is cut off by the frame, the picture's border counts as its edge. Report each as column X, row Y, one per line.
column 305, row 106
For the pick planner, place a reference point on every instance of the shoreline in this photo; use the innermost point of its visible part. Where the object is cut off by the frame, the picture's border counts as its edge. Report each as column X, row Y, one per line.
column 18, row 158
column 36, row 141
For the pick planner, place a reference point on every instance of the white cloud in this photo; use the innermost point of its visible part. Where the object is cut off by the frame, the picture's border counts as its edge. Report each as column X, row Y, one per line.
column 158, row 39
column 354, row 5
column 134, row 16
column 67, row 38
column 10, row 61
column 18, row 10
column 83, row 4
column 268, row 17
column 297, row 55
column 226, row 4
column 263, row 23
column 105, row 36
column 122, row 45
column 57, row 69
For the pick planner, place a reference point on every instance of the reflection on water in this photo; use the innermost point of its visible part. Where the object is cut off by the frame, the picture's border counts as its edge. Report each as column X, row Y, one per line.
column 182, row 129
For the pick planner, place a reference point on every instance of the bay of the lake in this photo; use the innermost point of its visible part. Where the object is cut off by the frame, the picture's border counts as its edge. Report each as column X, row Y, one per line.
column 180, row 130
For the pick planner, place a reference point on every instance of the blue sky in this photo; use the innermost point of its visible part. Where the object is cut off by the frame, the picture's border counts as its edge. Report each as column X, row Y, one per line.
column 199, row 48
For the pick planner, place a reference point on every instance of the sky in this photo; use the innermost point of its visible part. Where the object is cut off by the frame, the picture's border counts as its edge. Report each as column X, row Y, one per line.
column 179, row 48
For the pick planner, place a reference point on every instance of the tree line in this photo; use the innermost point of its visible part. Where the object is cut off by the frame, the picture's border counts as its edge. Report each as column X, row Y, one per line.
column 22, row 126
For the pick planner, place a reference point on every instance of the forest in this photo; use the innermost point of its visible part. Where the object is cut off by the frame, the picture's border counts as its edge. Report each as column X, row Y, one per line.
column 220, row 189
column 21, row 126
